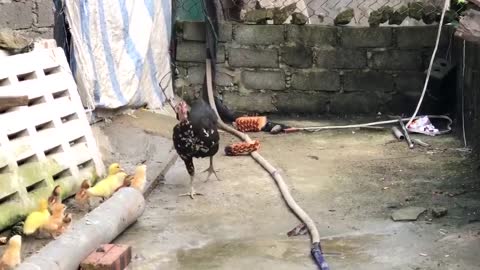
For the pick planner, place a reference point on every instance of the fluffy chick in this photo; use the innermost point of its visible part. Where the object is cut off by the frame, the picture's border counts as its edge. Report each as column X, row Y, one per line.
column 126, row 182
column 12, row 255
column 81, row 197
column 55, row 222
column 139, row 178
column 67, row 220
column 37, row 219
column 114, row 168
column 55, row 196
column 106, row 187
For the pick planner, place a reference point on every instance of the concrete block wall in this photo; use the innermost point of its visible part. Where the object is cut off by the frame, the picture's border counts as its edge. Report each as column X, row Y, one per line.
column 311, row 68
column 33, row 18
column 469, row 86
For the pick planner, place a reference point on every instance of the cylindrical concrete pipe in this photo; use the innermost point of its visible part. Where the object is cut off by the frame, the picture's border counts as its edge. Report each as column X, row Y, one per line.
column 398, row 134
column 100, row 226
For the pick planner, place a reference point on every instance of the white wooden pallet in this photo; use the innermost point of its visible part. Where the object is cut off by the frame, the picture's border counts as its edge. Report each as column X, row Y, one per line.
column 46, row 143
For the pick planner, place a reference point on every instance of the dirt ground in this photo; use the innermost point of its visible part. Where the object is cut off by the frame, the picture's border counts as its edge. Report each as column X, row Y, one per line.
column 350, row 182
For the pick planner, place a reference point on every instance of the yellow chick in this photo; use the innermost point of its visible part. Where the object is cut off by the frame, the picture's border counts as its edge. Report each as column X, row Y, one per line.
column 114, row 168
column 106, row 187
column 37, row 219
column 12, row 255
column 81, row 197
column 139, row 178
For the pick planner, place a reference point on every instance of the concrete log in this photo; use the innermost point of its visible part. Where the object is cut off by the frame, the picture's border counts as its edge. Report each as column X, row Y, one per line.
column 100, row 226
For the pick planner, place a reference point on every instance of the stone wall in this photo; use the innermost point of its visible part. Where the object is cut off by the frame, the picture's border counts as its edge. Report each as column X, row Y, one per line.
column 318, row 11
column 469, row 86
column 323, row 12
column 31, row 17
column 310, row 69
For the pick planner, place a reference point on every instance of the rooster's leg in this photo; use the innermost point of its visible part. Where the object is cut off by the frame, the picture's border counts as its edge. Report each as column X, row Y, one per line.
column 191, row 171
column 192, row 192
column 211, row 171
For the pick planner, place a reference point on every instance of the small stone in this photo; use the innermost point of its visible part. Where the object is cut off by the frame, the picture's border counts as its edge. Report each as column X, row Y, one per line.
column 387, row 12
column 299, row 18
column 259, row 15
column 439, row 212
column 139, row 257
column 382, row 15
column 415, row 10
column 398, row 16
column 375, row 18
column 408, row 214
column 430, row 14
column 281, row 15
column 14, row 42
column 344, row 17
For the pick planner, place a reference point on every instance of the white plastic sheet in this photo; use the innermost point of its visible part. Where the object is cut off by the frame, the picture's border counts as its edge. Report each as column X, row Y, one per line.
column 120, row 51
column 423, row 125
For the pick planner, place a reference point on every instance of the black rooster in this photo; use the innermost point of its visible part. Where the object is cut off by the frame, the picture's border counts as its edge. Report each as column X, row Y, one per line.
column 196, row 136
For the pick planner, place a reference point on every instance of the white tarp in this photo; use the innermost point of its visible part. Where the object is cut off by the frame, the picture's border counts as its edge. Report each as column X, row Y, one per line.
column 120, row 51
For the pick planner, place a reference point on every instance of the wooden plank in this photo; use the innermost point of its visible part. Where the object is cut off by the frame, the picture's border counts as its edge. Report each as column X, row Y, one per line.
column 11, row 101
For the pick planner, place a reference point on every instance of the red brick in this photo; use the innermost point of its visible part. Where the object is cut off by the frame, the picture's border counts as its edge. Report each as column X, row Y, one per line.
column 114, row 257
column 95, row 256
column 118, row 255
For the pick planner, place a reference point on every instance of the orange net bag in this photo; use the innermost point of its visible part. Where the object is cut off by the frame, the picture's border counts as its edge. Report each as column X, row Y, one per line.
column 250, row 123
column 242, row 148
